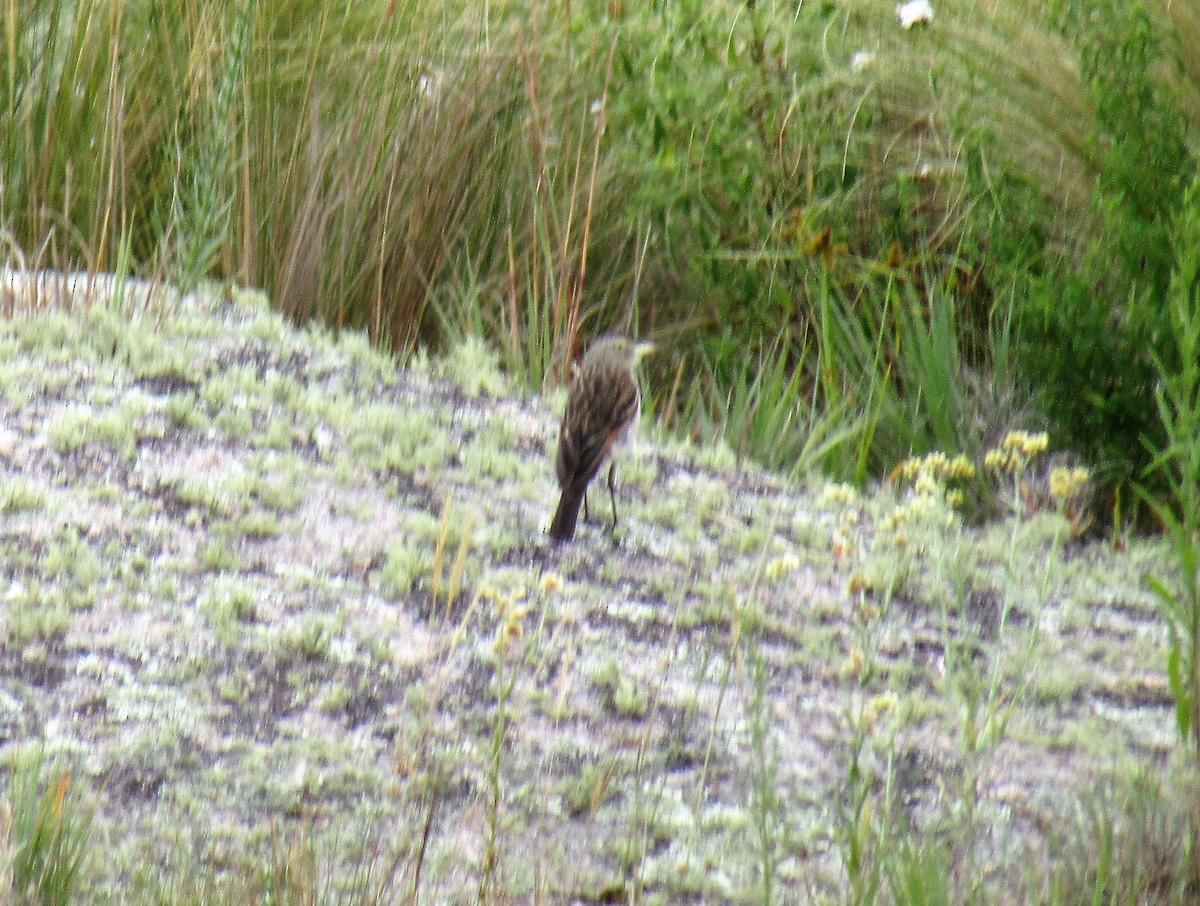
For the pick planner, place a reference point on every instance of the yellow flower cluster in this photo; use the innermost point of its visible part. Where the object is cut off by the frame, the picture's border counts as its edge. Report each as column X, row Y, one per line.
column 838, row 494
column 781, row 566
column 1017, row 449
column 881, row 706
column 925, row 508
column 937, row 466
column 1029, row 444
column 853, row 665
column 843, row 542
column 510, row 611
column 551, row 582
column 926, row 484
column 1066, row 484
column 929, row 476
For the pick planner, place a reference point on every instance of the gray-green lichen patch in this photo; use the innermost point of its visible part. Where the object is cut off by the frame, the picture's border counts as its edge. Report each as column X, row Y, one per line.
column 254, row 575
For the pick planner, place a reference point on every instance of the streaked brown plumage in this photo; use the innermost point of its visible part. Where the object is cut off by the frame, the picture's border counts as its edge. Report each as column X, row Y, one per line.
column 602, row 408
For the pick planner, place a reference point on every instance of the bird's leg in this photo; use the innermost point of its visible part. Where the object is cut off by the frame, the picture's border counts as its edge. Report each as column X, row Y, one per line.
column 586, row 517
column 612, row 494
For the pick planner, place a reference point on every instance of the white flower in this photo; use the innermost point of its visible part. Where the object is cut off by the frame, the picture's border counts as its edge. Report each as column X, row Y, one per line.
column 861, row 60
column 429, row 85
column 597, row 109
column 914, row 12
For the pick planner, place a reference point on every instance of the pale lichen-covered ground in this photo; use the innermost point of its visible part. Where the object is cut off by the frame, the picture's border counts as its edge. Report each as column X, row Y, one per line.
column 257, row 578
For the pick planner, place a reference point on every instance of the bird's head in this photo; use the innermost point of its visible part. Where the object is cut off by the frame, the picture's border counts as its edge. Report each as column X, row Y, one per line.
column 616, row 349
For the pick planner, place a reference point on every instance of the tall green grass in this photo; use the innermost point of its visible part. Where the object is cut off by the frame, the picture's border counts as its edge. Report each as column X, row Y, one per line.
column 828, row 223
column 359, row 162
column 45, row 834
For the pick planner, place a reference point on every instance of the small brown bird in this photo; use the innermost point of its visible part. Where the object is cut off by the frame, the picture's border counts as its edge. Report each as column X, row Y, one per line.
column 602, row 409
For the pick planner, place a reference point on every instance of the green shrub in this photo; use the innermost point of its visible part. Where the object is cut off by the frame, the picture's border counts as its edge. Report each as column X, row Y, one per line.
column 1090, row 331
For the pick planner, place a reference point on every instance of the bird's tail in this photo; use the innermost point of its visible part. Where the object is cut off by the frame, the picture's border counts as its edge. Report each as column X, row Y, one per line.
column 562, row 526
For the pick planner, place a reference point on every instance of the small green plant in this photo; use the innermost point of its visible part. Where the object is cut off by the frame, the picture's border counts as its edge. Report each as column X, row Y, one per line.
column 314, row 640
column 1009, row 463
column 386, row 437
column 919, row 874
column 279, row 492
column 765, row 412
column 764, row 800
column 864, row 820
column 80, row 427
column 474, row 367
column 511, row 652
column 234, row 423
column 197, row 225
column 207, row 496
column 69, row 560
column 277, row 434
column 461, row 569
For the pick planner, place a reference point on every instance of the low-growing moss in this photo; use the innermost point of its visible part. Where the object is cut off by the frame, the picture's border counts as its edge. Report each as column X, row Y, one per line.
column 235, row 423
column 34, row 612
column 475, row 368
column 68, row 559
column 275, row 483
column 337, row 698
column 259, row 524
column 313, row 639
column 228, row 605
column 53, row 335
column 363, row 354
column 82, row 426
column 621, row 693
column 204, row 494
column 20, row 379
column 218, row 551
column 482, row 460
column 404, row 563
column 17, row 496
column 392, row 438
column 277, row 434
column 584, row 793
column 184, row 411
